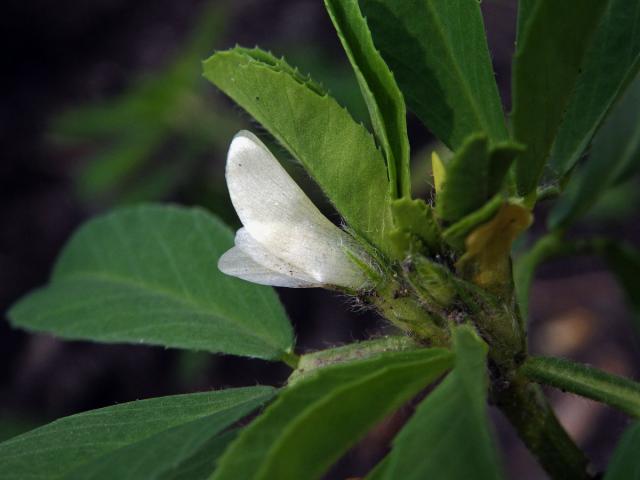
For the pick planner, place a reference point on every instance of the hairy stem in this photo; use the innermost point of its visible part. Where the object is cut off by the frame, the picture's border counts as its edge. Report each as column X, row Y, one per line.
column 410, row 302
column 398, row 304
column 311, row 362
column 528, row 410
column 589, row 382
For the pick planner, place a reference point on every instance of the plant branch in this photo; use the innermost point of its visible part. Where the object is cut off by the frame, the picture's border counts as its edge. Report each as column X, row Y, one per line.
column 290, row 359
column 589, row 382
column 528, row 410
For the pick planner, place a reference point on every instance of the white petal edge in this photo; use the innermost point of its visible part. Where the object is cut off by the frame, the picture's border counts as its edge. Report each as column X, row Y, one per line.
column 238, row 264
column 281, row 218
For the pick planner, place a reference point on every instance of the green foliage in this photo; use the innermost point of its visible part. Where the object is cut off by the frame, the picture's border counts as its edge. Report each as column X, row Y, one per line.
column 614, row 155
column 434, row 281
column 382, row 96
column 551, row 44
column 124, row 136
column 337, row 76
column 12, row 424
column 200, row 465
column 473, row 176
column 466, row 179
column 573, row 60
column 624, row 465
column 586, row 381
column 338, row 153
column 610, row 63
column 148, row 275
column 456, row 234
column 525, row 7
column 319, row 417
column 438, row 53
column 449, row 435
column 416, row 227
column 148, row 439
column 162, row 455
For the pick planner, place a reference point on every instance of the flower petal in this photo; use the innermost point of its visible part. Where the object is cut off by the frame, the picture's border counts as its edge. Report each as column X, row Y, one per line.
column 253, row 249
column 237, row 263
column 279, row 216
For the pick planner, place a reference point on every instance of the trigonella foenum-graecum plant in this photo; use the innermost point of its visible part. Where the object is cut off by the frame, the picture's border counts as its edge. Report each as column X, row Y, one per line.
column 436, row 265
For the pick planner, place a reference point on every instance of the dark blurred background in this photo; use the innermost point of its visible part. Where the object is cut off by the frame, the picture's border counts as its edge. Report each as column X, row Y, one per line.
column 104, row 105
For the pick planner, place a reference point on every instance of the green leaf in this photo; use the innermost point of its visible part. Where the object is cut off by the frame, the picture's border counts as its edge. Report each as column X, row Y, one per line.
column 525, row 8
column 139, row 440
column 625, row 464
column 319, row 417
column 589, row 382
column 438, row 53
column 200, row 465
column 380, row 470
column 466, row 179
column 382, row 96
column 338, row 153
column 160, row 454
column 148, row 275
column 614, row 155
column 549, row 53
column 473, row 176
column 610, row 63
column 416, row 227
column 449, row 434
column 501, row 156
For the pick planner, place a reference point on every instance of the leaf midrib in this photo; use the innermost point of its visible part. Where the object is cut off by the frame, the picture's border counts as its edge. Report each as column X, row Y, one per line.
column 467, row 90
column 155, row 290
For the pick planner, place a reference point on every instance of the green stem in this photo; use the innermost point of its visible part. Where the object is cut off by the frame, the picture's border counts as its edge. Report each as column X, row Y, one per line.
column 528, row 410
column 291, row 359
column 582, row 380
column 311, row 362
column 406, row 299
column 397, row 303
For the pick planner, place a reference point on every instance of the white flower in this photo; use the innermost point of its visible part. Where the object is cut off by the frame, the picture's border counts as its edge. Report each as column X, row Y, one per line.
column 285, row 241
